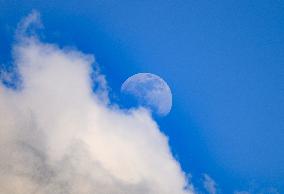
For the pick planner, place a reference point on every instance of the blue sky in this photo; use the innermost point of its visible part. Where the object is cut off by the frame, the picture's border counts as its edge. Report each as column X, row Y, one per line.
column 223, row 60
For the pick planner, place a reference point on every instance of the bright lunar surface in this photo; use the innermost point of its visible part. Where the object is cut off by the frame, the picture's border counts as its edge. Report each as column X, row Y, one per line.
column 151, row 91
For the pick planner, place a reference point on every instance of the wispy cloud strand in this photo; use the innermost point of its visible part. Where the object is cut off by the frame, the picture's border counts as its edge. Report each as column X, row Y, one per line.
column 209, row 184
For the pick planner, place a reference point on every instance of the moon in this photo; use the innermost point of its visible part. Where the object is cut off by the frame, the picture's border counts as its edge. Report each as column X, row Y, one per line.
column 150, row 91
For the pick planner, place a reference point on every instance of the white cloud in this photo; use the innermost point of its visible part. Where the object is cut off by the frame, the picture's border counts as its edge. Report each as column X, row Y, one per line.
column 59, row 137
column 209, row 184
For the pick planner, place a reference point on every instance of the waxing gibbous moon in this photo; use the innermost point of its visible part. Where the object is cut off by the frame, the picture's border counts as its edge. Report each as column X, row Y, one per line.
column 150, row 91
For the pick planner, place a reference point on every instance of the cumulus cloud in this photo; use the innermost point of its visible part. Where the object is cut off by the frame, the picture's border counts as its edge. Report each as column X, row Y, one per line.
column 59, row 136
column 209, row 184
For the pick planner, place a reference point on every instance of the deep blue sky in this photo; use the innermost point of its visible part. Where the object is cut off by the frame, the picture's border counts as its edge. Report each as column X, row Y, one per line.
column 224, row 61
